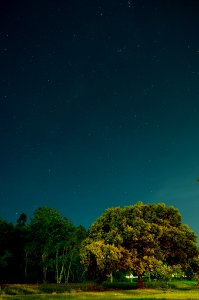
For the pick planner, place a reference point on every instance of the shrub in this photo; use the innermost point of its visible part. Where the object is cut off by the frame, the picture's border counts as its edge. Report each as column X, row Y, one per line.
column 156, row 284
column 120, row 285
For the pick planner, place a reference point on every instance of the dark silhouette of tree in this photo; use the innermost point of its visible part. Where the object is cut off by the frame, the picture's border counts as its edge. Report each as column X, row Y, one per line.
column 46, row 249
column 6, row 251
column 21, row 221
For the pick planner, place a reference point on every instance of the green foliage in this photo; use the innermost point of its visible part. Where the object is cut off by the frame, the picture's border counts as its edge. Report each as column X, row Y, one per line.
column 55, row 244
column 189, row 273
column 165, row 272
column 46, row 249
column 139, row 238
column 156, row 284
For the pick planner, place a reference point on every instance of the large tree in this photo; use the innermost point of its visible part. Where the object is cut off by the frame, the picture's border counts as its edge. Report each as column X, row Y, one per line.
column 138, row 238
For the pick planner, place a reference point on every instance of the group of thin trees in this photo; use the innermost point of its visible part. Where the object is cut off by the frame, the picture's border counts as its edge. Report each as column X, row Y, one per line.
column 138, row 239
column 45, row 250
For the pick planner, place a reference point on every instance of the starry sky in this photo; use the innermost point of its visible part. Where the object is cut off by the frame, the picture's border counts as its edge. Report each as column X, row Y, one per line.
column 99, row 106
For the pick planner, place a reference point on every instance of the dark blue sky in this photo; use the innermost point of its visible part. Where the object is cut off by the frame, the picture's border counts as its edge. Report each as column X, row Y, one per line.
column 99, row 106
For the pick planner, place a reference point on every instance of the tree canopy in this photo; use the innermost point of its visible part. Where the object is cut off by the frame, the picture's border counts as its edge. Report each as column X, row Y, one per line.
column 45, row 249
column 55, row 241
column 138, row 238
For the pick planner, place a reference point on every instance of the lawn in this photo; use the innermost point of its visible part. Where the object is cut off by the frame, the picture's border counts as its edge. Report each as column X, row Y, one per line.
column 149, row 294
column 178, row 290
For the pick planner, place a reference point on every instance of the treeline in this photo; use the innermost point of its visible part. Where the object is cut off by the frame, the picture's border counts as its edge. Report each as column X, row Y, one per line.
column 142, row 239
column 45, row 250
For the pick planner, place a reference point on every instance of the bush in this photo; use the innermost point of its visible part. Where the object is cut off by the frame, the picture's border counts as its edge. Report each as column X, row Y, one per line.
column 154, row 284
column 15, row 290
column 173, row 284
column 120, row 285
column 54, row 288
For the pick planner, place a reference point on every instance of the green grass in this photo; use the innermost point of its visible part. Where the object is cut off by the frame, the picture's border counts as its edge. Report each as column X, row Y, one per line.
column 89, row 291
column 31, row 289
column 109, row 295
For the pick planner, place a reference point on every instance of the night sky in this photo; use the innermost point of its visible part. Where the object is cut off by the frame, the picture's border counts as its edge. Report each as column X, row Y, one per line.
column 99, row 106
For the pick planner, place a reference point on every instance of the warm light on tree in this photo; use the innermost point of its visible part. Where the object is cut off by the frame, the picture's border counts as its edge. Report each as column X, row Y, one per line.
column 140, row 238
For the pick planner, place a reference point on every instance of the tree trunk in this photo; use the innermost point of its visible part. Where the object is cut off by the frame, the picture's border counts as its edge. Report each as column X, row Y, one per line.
column 140, row 282
column 110, row 277
column 60, row 272
column 26, row 266
column 68, row 272
column 44, row 274
column 57, row 266
column 44, row 262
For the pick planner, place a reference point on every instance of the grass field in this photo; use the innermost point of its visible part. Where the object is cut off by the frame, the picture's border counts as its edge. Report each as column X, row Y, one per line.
column 109, row 295
column 182, row 290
